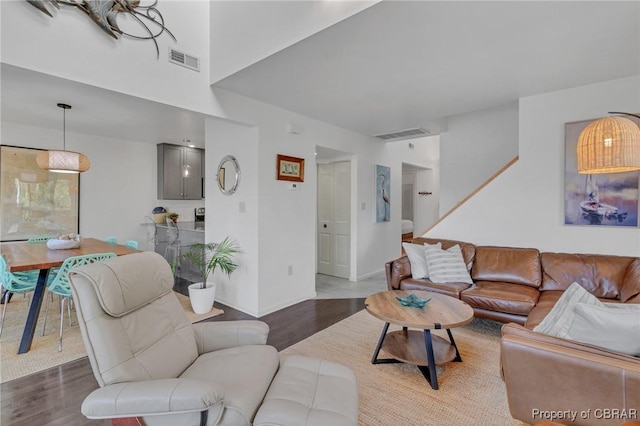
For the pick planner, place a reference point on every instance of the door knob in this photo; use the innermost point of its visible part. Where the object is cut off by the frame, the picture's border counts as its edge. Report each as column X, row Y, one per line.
column 324, row 226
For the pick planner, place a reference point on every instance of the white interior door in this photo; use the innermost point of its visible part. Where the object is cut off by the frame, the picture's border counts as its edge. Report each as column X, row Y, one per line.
column 407, row 201
column 334, row 219
column 325, row 218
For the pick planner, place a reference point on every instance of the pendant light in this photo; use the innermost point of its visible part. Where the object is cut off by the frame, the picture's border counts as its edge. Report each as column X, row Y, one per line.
column 609, row 145
column 186, row 168
column 63, row 161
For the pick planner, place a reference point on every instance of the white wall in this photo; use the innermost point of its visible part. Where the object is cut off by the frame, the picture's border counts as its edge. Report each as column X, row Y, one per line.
column 278, row 228
column 71, row 46
column 286, row 232
column 524, row 206
column 245, row 32
column 425, row 207
column 237, row 215
column 474, row 147
column 119, row 189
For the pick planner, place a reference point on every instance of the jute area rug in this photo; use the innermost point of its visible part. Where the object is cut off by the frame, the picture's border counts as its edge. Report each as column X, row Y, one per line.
column 44, row 349
column 471, row 392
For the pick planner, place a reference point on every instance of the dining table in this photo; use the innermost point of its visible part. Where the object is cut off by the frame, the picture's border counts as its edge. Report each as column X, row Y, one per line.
column 27, row 256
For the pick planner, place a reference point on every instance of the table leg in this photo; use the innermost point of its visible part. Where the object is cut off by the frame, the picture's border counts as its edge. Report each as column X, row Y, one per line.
column 8, row 298
column 429, row 372
column 34, row 311
column 374, row 359
column 458, row 358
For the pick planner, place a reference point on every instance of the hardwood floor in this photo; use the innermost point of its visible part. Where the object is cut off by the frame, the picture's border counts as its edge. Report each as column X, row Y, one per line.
column 54, row 396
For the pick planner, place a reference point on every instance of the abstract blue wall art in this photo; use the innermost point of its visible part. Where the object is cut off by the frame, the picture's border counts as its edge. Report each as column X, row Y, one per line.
column 383, row 193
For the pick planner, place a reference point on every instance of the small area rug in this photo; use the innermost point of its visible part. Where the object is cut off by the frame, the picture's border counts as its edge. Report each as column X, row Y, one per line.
column 471, row 392
column 44, row 349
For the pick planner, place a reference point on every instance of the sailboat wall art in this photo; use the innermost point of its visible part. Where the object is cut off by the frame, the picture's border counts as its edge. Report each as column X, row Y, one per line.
column 609, row 199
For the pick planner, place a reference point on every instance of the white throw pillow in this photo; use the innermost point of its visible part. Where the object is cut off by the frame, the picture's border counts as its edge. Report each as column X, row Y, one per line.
column 614, row 328
column 418, row 259
column 447, row 266
column 557, row 322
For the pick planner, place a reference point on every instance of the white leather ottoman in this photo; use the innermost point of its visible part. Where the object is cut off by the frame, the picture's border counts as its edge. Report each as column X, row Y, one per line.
column 310, row 392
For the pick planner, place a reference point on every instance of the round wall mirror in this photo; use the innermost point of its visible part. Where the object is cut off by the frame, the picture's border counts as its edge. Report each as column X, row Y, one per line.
column 228, row 175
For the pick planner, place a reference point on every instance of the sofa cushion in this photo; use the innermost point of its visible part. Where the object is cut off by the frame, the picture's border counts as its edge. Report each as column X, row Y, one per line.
column 244, row 372
column 545, row 303
column 502, row 297
column 468, row 249
column 631, row 283
column 450, row 289
column 310, row 392
column 601, row 275
column 446, row 266
column 127, row 283
column 507, row 264
column 417, row 259
column 560, row 317
column 612, row 327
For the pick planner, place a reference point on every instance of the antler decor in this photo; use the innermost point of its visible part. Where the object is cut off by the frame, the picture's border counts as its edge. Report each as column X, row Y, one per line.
column 105, row 12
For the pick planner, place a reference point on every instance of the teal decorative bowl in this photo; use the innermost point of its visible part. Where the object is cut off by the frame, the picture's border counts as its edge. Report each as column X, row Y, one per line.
column 413, row 300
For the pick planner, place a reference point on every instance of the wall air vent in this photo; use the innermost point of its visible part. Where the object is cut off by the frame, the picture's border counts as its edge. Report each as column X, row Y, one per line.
column 403, row 134
column 181, row 58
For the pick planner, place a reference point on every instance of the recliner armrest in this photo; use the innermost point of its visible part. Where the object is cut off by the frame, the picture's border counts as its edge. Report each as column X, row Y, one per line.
column 152, row 397
column 213, row 336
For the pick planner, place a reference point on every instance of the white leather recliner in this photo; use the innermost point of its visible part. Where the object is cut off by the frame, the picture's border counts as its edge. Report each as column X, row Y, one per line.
column 152, row 363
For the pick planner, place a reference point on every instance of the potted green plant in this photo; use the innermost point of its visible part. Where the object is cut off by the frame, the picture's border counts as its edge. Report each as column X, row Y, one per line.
column 208, row 258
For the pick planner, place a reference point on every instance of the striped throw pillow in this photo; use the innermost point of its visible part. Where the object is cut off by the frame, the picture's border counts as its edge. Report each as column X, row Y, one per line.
column 447, row 266
column 558, row 320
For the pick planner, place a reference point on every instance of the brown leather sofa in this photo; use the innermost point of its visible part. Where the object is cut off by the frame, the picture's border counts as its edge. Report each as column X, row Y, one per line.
column 521, row 285
column 546, row 376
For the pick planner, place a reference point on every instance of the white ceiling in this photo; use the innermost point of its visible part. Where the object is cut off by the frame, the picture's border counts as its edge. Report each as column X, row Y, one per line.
column 404, row 64
column 392, row 66
column 30, row 98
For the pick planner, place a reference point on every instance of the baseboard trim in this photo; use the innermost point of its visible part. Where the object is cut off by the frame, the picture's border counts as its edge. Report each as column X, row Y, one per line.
column 369, row 275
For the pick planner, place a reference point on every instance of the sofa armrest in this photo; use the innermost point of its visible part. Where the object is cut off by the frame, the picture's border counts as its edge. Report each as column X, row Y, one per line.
column 630, row 289
column 397, row 270
column 152, row 397
column 213, row 336
column 544, row 373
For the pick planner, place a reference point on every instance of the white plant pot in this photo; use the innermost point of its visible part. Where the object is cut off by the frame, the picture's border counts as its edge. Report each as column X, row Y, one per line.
column 202, row 298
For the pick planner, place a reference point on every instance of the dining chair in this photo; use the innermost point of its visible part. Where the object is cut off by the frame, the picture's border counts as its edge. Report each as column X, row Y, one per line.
column 39, row 239
column 131, row 244
column 12, row 283
column 172, row 250
column 111, row 240
column 60, row 286
column 152, row 233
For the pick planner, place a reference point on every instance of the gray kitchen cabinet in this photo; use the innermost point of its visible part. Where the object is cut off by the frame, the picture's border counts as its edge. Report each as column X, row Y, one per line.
column 179, row 172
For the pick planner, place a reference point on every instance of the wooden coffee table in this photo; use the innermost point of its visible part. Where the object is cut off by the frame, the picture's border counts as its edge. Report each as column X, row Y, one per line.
column 414, row 347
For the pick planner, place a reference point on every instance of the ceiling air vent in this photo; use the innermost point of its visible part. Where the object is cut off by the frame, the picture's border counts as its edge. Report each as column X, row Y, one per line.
column 181, row 58
column 403, row 134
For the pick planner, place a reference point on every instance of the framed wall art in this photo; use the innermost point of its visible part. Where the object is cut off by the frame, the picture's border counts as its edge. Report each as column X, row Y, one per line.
column 383, row 193
column 35, row 202
column 290, row 168
column 608, row 199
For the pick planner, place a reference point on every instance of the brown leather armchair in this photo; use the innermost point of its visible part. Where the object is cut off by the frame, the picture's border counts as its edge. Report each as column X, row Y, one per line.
column 545, row 374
